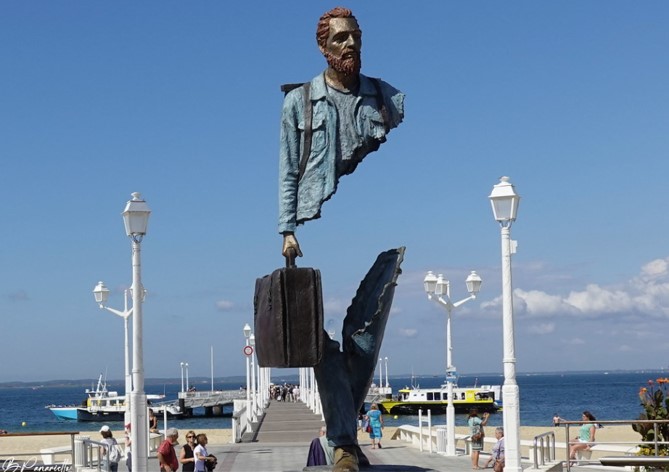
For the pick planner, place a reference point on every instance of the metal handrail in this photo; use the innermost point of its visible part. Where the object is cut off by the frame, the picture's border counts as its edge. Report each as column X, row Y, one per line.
column 92, row 448
column 546, row 450
column 655, row 442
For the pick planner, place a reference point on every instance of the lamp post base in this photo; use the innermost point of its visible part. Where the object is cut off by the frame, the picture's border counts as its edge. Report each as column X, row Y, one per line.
column 510, row 394
column 140, row 431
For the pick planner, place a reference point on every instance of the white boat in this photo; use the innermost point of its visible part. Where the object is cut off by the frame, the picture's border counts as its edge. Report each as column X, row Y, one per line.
column 104, row 405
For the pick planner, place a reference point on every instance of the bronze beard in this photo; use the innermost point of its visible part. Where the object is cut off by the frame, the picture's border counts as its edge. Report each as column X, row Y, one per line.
column 347, row 66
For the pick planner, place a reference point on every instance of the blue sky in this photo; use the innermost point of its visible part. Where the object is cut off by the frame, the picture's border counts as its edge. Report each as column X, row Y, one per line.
column 180, row 101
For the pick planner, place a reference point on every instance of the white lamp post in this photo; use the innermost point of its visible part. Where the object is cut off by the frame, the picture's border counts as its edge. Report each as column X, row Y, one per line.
column 313, row 388
column 440, row 287
column 187, row 380
column 182, row 377
column 247, row 334
column 387, row 383
column 136, row 219
column 101, row 294
column 261, row 388
column 504, row 201
column 252, row 343
column 380, row 373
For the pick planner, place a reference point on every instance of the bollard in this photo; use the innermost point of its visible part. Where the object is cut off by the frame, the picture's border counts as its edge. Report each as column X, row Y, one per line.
column 80, row 452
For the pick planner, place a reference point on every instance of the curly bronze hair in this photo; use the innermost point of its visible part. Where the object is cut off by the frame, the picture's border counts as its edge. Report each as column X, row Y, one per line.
column 323, row 28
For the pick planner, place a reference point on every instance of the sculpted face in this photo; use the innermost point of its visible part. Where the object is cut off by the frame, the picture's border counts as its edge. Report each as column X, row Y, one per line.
column 342, row 49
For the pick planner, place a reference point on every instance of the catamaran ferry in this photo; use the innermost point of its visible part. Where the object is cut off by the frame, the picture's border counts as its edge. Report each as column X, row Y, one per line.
column 411, row 399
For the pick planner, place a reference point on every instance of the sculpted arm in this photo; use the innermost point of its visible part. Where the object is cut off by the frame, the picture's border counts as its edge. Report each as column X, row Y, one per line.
column 289, row 162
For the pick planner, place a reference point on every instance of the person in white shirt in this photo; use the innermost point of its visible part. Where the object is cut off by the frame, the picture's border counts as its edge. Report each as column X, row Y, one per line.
column 200, row 453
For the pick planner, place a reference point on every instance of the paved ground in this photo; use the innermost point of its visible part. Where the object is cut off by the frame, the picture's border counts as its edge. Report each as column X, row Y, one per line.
column 394, row 457
column 290, row 457
column 282, row 442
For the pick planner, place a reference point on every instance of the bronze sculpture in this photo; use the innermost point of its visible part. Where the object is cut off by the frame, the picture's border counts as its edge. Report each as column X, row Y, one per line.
column 328, row 126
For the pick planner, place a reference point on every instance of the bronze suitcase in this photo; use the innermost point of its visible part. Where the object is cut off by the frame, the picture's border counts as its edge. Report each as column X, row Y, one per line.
column 288, row 312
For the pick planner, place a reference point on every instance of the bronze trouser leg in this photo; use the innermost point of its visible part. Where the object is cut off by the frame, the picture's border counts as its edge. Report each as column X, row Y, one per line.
column 344, row 377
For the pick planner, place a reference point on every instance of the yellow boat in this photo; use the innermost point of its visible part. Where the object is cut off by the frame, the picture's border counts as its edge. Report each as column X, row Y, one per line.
column 411, row 399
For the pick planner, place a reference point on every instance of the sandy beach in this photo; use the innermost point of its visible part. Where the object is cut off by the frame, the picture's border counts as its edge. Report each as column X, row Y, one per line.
column 31, row 444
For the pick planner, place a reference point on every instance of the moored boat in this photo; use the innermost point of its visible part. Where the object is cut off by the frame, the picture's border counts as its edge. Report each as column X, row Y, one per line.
column 64, row 412
column 103, row 405
column 411, row 399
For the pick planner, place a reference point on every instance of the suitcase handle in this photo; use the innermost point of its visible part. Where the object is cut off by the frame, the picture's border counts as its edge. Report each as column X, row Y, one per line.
column 291, row 254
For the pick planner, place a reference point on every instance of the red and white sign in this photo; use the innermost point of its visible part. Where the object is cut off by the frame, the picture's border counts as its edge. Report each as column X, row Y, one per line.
column 248, row 350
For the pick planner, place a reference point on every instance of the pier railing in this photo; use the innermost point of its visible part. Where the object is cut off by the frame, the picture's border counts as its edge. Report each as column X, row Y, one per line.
column 543, row 449
column 240, row 421
column 10, row 460
column 628, row 449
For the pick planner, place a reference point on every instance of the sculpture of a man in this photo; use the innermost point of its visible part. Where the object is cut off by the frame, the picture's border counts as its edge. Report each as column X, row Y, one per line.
column 350, row 117
column 328, row 126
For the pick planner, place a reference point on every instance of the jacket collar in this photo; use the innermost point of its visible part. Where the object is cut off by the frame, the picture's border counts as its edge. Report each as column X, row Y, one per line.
column 319, row 90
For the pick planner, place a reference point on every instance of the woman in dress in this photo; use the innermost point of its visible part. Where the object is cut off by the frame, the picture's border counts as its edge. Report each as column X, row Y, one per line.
column 375, row 420
column 476, row 425
column 586, row 435
column 186, row 456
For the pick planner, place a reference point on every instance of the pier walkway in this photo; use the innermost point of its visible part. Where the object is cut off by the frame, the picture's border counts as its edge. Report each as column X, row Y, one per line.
column 287, row 422
column 208, row 399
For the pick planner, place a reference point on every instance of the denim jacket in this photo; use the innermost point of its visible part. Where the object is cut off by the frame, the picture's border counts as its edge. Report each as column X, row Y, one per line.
column 301, row 201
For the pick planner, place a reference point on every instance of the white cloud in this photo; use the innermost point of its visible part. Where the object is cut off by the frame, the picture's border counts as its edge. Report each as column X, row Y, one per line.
column 646, row 294
column 335, row 307
column 541, row 303
column 533, row 303
column 596, row 300
column 224, row 305
column 656, row 268
column 542, row 328
column 573, row 341
column 408, row 332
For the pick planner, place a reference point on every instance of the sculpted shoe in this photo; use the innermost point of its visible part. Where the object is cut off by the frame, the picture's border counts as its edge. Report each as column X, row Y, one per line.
column 345, row 459
column 362, row 458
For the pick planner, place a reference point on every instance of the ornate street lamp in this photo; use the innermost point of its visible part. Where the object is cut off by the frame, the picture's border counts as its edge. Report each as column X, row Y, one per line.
column 136, row 220
column 504, row 201
column 254, row 400
column 439, row 287
column 247, row 335
column 101, row 294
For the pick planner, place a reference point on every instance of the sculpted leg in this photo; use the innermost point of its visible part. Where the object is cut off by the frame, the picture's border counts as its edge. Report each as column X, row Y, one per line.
column 344, row 377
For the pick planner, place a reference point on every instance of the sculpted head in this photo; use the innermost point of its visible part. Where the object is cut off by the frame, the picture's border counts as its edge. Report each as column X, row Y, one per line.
column 340, row 40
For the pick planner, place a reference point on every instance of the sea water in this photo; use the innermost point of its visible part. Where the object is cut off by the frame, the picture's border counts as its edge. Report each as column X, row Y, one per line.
column 609, row 396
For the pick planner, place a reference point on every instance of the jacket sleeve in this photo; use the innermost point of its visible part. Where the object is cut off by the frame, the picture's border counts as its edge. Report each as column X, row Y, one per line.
column 289, row 160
